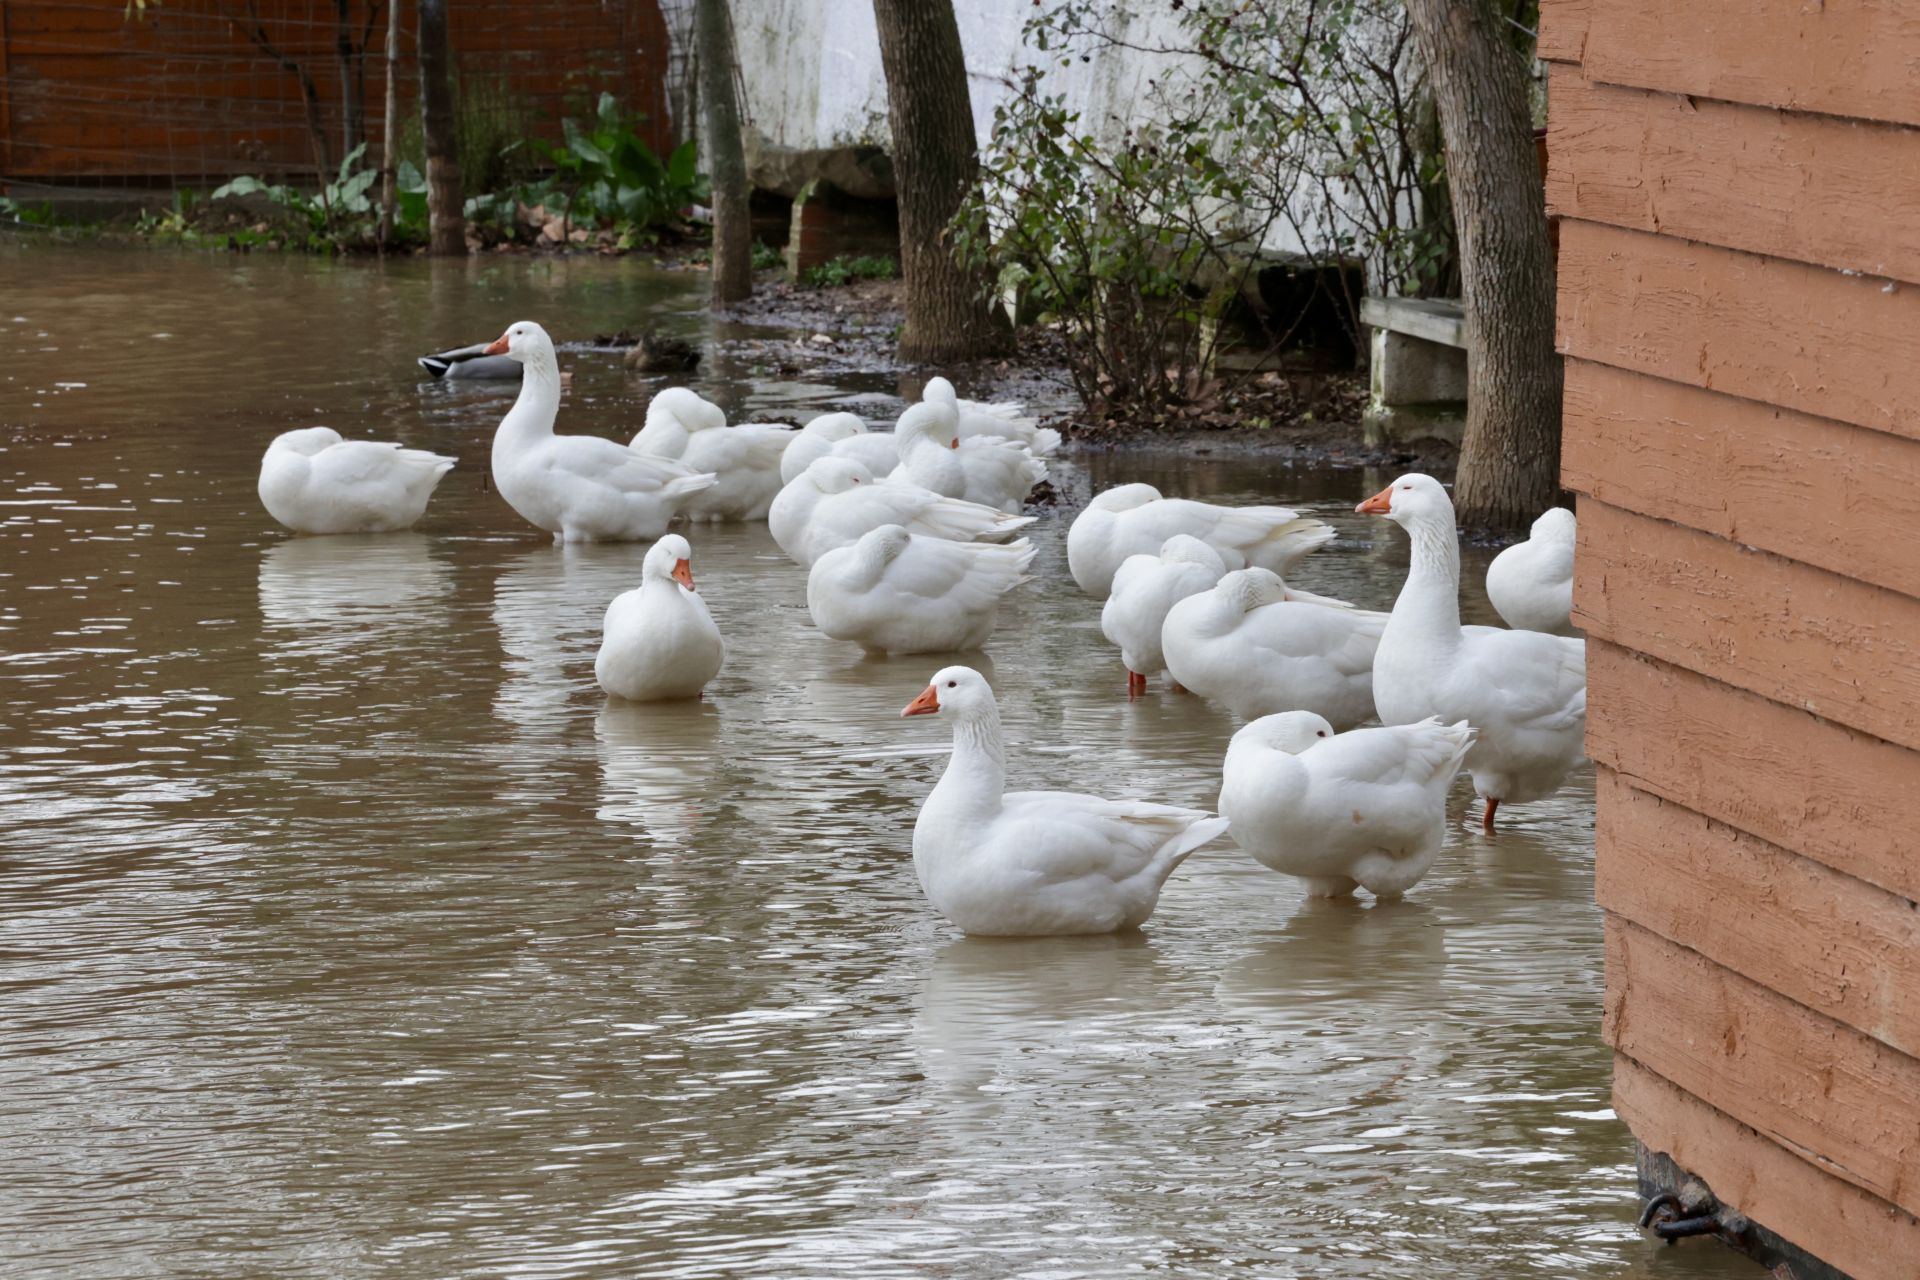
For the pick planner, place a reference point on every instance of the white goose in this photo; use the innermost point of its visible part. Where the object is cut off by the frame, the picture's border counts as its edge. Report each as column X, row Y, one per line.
column 844, row 436
column 1531, row 582
column 1257, row 647
column 899, row 592
column 1524, row 691
column 1145, row 588
column 1035, row 862
column 578, row 488
column 1133, row 519
column 835, row 501
column 658, row 641
column 1004, row 420
column 744, row 459
column 1367, row 807
column 312, row 481
column 983, row 469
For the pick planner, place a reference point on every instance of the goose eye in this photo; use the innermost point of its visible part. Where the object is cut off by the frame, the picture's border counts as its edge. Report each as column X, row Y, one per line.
column 953, row 684
column 1319, row 733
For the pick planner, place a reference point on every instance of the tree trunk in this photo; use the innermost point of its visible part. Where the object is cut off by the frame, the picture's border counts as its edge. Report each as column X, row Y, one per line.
column 726, row 154
column 934, row 164
column 353, row 114
column 1510, row 456
column 446, row 214
column 390, row 135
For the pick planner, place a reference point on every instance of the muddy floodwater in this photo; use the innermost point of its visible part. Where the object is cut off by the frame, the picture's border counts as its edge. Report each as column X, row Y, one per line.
column 346, row 929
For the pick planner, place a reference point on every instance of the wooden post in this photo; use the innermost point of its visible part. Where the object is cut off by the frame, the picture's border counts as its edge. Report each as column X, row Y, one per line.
column 389, row 171
column 446, row 212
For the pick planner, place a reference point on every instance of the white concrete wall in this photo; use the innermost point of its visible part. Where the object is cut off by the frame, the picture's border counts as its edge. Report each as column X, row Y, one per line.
column 812, row 74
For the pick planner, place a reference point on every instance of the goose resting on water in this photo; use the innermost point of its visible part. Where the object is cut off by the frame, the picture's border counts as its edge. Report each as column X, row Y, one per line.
column 745, row 460
column 578, row 488
column 1367, row 807
column 1026, row 863
column 1133, row 519
column 1531, row 582
column 312, row 481
column 899, row 592
column 658, row 641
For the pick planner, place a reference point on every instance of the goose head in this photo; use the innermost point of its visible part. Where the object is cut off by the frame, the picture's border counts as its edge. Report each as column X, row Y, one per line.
column 836, row 475
column 939, row 391
column 929, row 420
column 1290, row 731
column 960, row 690
column 687, row 408
column 307, row 441
column 1184, row 548
column 1554, row 525
column 1412, row 498
column 1124, row 497
column 1247, row 589
column 671, row 557
column 881, row 546
column 524, row 341
column 834, row 427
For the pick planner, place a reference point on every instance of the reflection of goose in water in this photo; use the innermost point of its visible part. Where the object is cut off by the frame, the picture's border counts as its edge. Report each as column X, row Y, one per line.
column 549, row 604
column 1317, row 995
column 1047, row 1013
column 348, row 597
column 657, row 767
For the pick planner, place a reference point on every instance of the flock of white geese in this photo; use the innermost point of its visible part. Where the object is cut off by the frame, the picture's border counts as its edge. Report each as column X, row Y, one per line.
column 911, row 539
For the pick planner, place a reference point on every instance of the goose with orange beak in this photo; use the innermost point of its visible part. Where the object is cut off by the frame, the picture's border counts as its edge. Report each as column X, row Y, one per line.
column 578, row 488
column 658, row 641
column 1524, row 692
column 1035, row 863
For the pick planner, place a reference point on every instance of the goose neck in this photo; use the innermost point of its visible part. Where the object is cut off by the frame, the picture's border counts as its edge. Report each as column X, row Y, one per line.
column 533, row 413
column 978, row 767
column 1432, row 593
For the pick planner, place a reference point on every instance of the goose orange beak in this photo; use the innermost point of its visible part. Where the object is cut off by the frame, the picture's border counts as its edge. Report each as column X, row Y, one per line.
column 955, row 444
column 1379, row 504
column 498, row 347
column 925, row 705
column 683, row 574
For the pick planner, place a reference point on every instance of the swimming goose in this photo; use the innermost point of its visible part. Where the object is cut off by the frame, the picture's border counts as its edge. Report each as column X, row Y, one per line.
column 1025, row 863
column 1525, row 692
column 984, row 469
column 745, row 459
column 1367, row 807
column 658, row 641
column 312, row 481
column 1005, row 421
column 1252, row 646
column 1531, row 582
column 899, row 592
column 578, row 488
column 1145, row 589
column 835, row 500
column 471, row 363
column 842, row 435
column 1133, row 519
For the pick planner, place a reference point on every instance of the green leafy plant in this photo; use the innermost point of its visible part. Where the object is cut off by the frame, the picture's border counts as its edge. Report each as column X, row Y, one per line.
column 841, row 271
column 1296, row 123
column 766, row 257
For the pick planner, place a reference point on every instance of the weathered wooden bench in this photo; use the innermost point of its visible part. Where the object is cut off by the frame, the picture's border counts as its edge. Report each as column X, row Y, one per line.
column 1419, row 370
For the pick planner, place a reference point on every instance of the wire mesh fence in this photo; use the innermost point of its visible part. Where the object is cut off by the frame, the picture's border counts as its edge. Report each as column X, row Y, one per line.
column 181, row 93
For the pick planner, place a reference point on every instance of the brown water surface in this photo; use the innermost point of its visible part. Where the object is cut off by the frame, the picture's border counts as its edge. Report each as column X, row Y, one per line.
column 350, row 931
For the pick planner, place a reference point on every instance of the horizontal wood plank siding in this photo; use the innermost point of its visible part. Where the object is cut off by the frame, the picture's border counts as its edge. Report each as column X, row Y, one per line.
column 1843, row 798
column 1799, row 336
column 1737, row 187
column 1822, row 492
column 1861, row 1234
column 1846, row 949
column 1841, row 649
column 1857, row 58
column 1813, row 1084
column 1841, row 193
